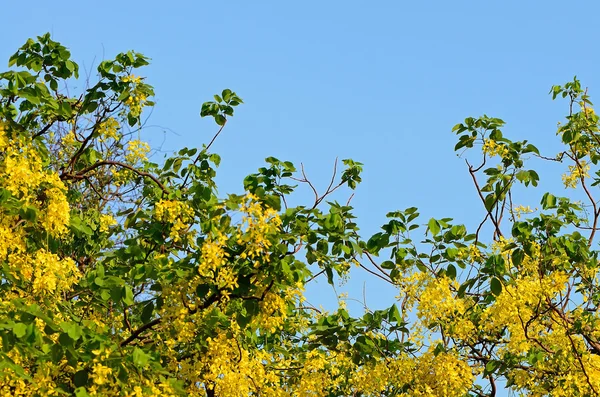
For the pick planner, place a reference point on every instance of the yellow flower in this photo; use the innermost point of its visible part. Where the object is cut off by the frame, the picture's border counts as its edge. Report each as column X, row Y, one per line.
column 50, row 272
column 3, row 138
column 106, row 221
column 101, row 374
column 132, row 79
column 137, row 99
column 177, row 213
column 493, row 148
column 108, row 129
column 518, row 211
column 137, row 151
column 69, row 139
column 576, row 172
column 258, row 224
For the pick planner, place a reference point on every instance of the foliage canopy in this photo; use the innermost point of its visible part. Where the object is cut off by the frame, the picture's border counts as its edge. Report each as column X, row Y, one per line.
column 120, row 276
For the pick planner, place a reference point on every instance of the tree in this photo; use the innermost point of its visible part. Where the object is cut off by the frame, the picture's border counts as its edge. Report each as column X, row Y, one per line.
column 124, row 277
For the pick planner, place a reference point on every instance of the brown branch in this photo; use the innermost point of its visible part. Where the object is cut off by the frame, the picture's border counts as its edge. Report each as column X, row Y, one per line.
column 214, row 137
column 376, row 274
column 472, row 172
column 332, row 176
column 315, row 276
column 309, row 184
column 81, row 174
column 558, row 158
column 368, row 255
column 44, row 130
column 493, row 386
column 205, row 150
column 140, row 330
column 83, row 146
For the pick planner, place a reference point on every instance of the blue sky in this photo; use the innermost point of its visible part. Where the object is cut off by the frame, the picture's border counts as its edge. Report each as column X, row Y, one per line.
column 380, row 82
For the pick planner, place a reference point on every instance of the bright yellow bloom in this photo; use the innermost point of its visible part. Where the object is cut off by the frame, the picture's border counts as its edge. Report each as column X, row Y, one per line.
column 576, row 172
column 106, row 221
column 519, row 210
column 137, row 151
column 108, row 129
column 493, row 148
column 177, row 213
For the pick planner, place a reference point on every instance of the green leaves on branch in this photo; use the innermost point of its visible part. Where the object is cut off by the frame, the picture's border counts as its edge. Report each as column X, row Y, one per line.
column 222, row 107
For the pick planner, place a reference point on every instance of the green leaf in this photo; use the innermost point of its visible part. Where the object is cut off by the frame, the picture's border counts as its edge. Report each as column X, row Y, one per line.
column 548, row 201
column 496, row 286
column 252, row 307
column 140, row 359
column 128, row 295
column 80, row 378
column 388, row 265
column 81, row 392
column 74, row 331
column 28, row 213
column 451, row 271
column 226, row 94
column 491, row 366
column 517, row 257
column 394, row 314
column 434, row 227
column 20, row 329
column 220, row 119
column 147, row 312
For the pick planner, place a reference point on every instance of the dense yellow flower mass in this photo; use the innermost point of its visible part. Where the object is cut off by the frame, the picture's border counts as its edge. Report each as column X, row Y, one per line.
column 106, row 221
column 438, row 304
column 39, row 272
column 175, row 213
column 43, row 193
column 257, row 225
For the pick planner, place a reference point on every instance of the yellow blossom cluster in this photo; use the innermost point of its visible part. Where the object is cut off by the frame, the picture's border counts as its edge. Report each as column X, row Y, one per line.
column 42, row 382
column 519, row 210
column 471, row 253
column 101, row 374
column 214, row 263
column 575, row 174
column 47, row 272
column 21, row 173
column 3, row 137
column 515, row 309
column 42, row 193
column 177, row 213
column 444, row 374
column 273, row 312
column 106, row 221
column 136, row 99
column 121, row 176
column 571, row 376
column 439, row 304
column 493, row 148
column 108, row 129
column 69, row 140
column 137, row 151
column 258, row 223
column 132, row 79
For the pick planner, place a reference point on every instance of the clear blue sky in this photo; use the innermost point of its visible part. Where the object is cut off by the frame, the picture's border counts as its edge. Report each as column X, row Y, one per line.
column 380, row 82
